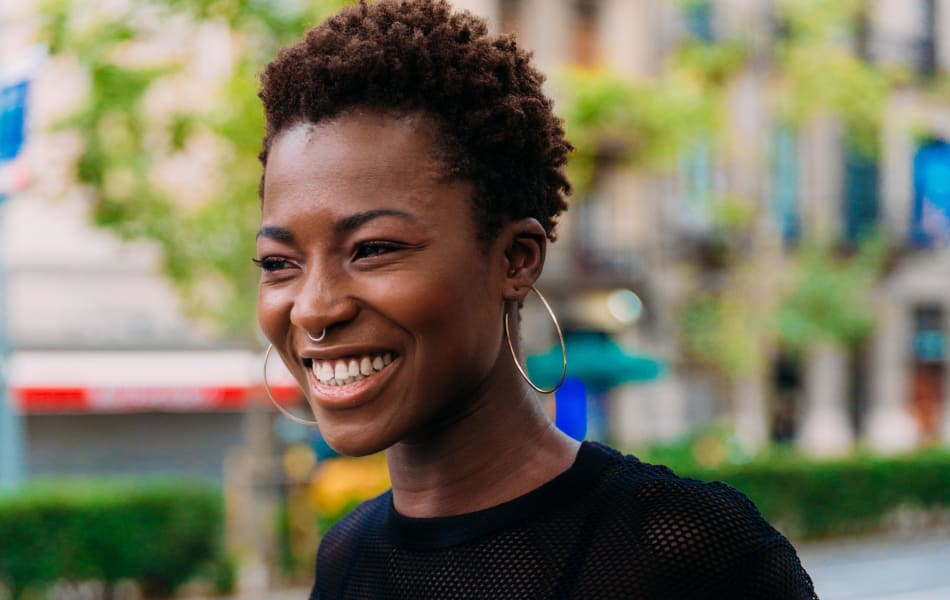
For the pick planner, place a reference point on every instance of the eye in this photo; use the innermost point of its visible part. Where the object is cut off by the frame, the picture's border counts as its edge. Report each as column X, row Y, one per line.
column 371, row 249
column 272, row 263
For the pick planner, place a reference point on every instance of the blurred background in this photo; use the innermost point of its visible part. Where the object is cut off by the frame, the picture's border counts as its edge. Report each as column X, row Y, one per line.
column 753, row 279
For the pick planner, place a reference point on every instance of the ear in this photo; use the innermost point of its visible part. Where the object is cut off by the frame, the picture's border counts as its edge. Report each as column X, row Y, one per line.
column 524, row 244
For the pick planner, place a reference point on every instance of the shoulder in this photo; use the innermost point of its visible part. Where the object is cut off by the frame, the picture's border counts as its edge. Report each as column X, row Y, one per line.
column 714, row 514
column 656, row 491
column 695, row 529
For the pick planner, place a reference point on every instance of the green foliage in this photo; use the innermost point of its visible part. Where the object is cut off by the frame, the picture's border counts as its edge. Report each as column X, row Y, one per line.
column 726, row 330
column 819, row 75
column 844, row 87
column 828, row 21
column 817, row 294
column 141, row 135
column 648, row 123
column 809, row 498
column 158, row 533
column 829, row 296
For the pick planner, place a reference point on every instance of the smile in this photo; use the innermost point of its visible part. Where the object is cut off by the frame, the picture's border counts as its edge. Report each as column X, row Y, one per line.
column 345, row 371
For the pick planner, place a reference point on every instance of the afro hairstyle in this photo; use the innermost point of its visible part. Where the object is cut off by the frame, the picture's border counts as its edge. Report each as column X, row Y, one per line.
column 496, row 123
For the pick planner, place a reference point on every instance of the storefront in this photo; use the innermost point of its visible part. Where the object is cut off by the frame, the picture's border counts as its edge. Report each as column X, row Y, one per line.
column 138, row 412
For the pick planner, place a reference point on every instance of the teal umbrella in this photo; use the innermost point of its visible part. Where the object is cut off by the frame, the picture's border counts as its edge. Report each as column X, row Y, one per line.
column 596, row 359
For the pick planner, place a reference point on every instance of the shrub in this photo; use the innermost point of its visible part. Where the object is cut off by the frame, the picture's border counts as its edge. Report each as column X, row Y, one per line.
column 810, row 498
column 159, row 533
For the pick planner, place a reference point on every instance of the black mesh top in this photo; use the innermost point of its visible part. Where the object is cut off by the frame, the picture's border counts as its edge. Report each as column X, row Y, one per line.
column 608, row 527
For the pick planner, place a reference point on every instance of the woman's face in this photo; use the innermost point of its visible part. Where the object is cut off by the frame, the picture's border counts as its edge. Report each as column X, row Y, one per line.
column 362, row 234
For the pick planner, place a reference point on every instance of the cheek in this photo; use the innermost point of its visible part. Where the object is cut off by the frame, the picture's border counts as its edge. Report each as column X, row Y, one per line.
column 273, row 314
column 451, row 315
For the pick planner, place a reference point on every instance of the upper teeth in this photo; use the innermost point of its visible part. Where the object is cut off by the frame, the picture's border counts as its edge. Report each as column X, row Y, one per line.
column 343, row 371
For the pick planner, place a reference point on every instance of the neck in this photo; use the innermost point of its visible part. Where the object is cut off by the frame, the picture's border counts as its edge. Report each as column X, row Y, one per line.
column 503, row 449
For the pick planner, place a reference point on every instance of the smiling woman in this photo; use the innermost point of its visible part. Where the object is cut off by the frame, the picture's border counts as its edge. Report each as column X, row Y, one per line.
column 413, row 175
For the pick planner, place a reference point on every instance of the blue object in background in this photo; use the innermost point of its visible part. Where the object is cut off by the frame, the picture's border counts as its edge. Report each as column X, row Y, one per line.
column 570, row 403
column 320, row 446
column 12, row 119
column 930, row 220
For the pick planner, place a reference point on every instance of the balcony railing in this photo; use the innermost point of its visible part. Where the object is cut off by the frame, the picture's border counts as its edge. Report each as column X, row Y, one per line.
column 917, row 53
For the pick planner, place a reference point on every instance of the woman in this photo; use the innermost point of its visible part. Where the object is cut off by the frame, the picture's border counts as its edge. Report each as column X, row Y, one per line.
column 413, row 175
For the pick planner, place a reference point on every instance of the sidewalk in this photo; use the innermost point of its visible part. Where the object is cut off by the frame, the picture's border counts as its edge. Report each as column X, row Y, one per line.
column 882, row 568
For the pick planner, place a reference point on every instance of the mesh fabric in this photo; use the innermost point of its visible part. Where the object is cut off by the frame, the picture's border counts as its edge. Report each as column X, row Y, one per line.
column 609, row 527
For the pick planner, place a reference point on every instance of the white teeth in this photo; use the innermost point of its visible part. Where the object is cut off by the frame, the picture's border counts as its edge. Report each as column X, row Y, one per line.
column 342, row 372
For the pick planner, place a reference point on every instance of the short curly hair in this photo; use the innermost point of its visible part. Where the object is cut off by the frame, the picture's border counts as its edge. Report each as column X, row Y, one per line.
column 418, row 55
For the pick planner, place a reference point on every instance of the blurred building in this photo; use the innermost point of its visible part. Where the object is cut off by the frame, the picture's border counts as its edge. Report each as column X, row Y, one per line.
column 112, row 376
column 109, row 375
column 893, row 392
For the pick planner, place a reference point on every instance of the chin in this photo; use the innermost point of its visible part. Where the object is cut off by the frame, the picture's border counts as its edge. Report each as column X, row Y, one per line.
column 354, row 444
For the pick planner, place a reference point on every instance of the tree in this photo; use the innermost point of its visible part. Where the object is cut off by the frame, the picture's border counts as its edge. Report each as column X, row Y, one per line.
column 172, row 128
column 751, row 297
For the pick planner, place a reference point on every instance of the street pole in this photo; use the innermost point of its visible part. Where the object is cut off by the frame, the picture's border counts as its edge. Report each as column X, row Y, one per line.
column 11, row 431
column 13, row 177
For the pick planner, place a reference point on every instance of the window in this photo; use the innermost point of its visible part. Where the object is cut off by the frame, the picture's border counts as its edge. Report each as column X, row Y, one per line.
column 927, row 51
column 698, row 17
column 585, row 46
column 927, row 370
column 697, row 178
column 860, row 194
column 783, row 199
column 928, row 342
column 509, row 16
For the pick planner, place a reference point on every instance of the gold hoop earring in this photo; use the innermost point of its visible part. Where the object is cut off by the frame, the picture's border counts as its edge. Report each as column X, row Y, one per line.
column 287, row 414
column 560, row 337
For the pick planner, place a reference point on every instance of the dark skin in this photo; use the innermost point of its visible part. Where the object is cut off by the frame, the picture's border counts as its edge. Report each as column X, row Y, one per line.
column 364, row 235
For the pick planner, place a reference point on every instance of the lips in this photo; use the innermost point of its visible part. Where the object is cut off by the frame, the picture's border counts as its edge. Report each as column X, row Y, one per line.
column 345, row 371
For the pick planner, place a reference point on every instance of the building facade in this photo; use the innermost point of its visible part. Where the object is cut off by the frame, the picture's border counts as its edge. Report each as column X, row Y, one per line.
column 80, row 296
column 892, row 391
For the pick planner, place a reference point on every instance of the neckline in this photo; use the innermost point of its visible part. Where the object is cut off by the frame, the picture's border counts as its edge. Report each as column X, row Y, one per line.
column 441, row 532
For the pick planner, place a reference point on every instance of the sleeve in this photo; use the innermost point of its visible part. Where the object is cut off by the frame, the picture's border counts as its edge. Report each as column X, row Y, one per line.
column 770, row 571
column 710, row 536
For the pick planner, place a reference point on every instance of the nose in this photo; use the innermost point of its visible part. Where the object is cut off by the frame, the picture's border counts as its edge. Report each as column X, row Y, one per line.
column 321, row 303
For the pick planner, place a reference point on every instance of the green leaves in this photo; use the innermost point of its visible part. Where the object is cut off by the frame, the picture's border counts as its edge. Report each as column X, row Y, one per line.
column 819, row 293
column 647, row 123
column 753, row 299
column 829, row 296
column 160, row 533
column 172, row 127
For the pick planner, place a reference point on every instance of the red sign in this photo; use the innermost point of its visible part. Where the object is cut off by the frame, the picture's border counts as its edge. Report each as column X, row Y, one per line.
column 52, row 400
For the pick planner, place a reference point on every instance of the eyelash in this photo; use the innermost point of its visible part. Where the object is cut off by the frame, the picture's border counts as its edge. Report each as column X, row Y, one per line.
column 367, row 250
column 374, row 248
column 270, row 263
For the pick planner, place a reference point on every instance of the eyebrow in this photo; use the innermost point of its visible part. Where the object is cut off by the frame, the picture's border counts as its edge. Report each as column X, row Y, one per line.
column 280, row 234
column 344, row 225
column 354, row 221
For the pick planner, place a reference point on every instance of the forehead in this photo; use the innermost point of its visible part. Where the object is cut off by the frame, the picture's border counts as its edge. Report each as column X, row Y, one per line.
column 366, row 144
column 361, row 160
